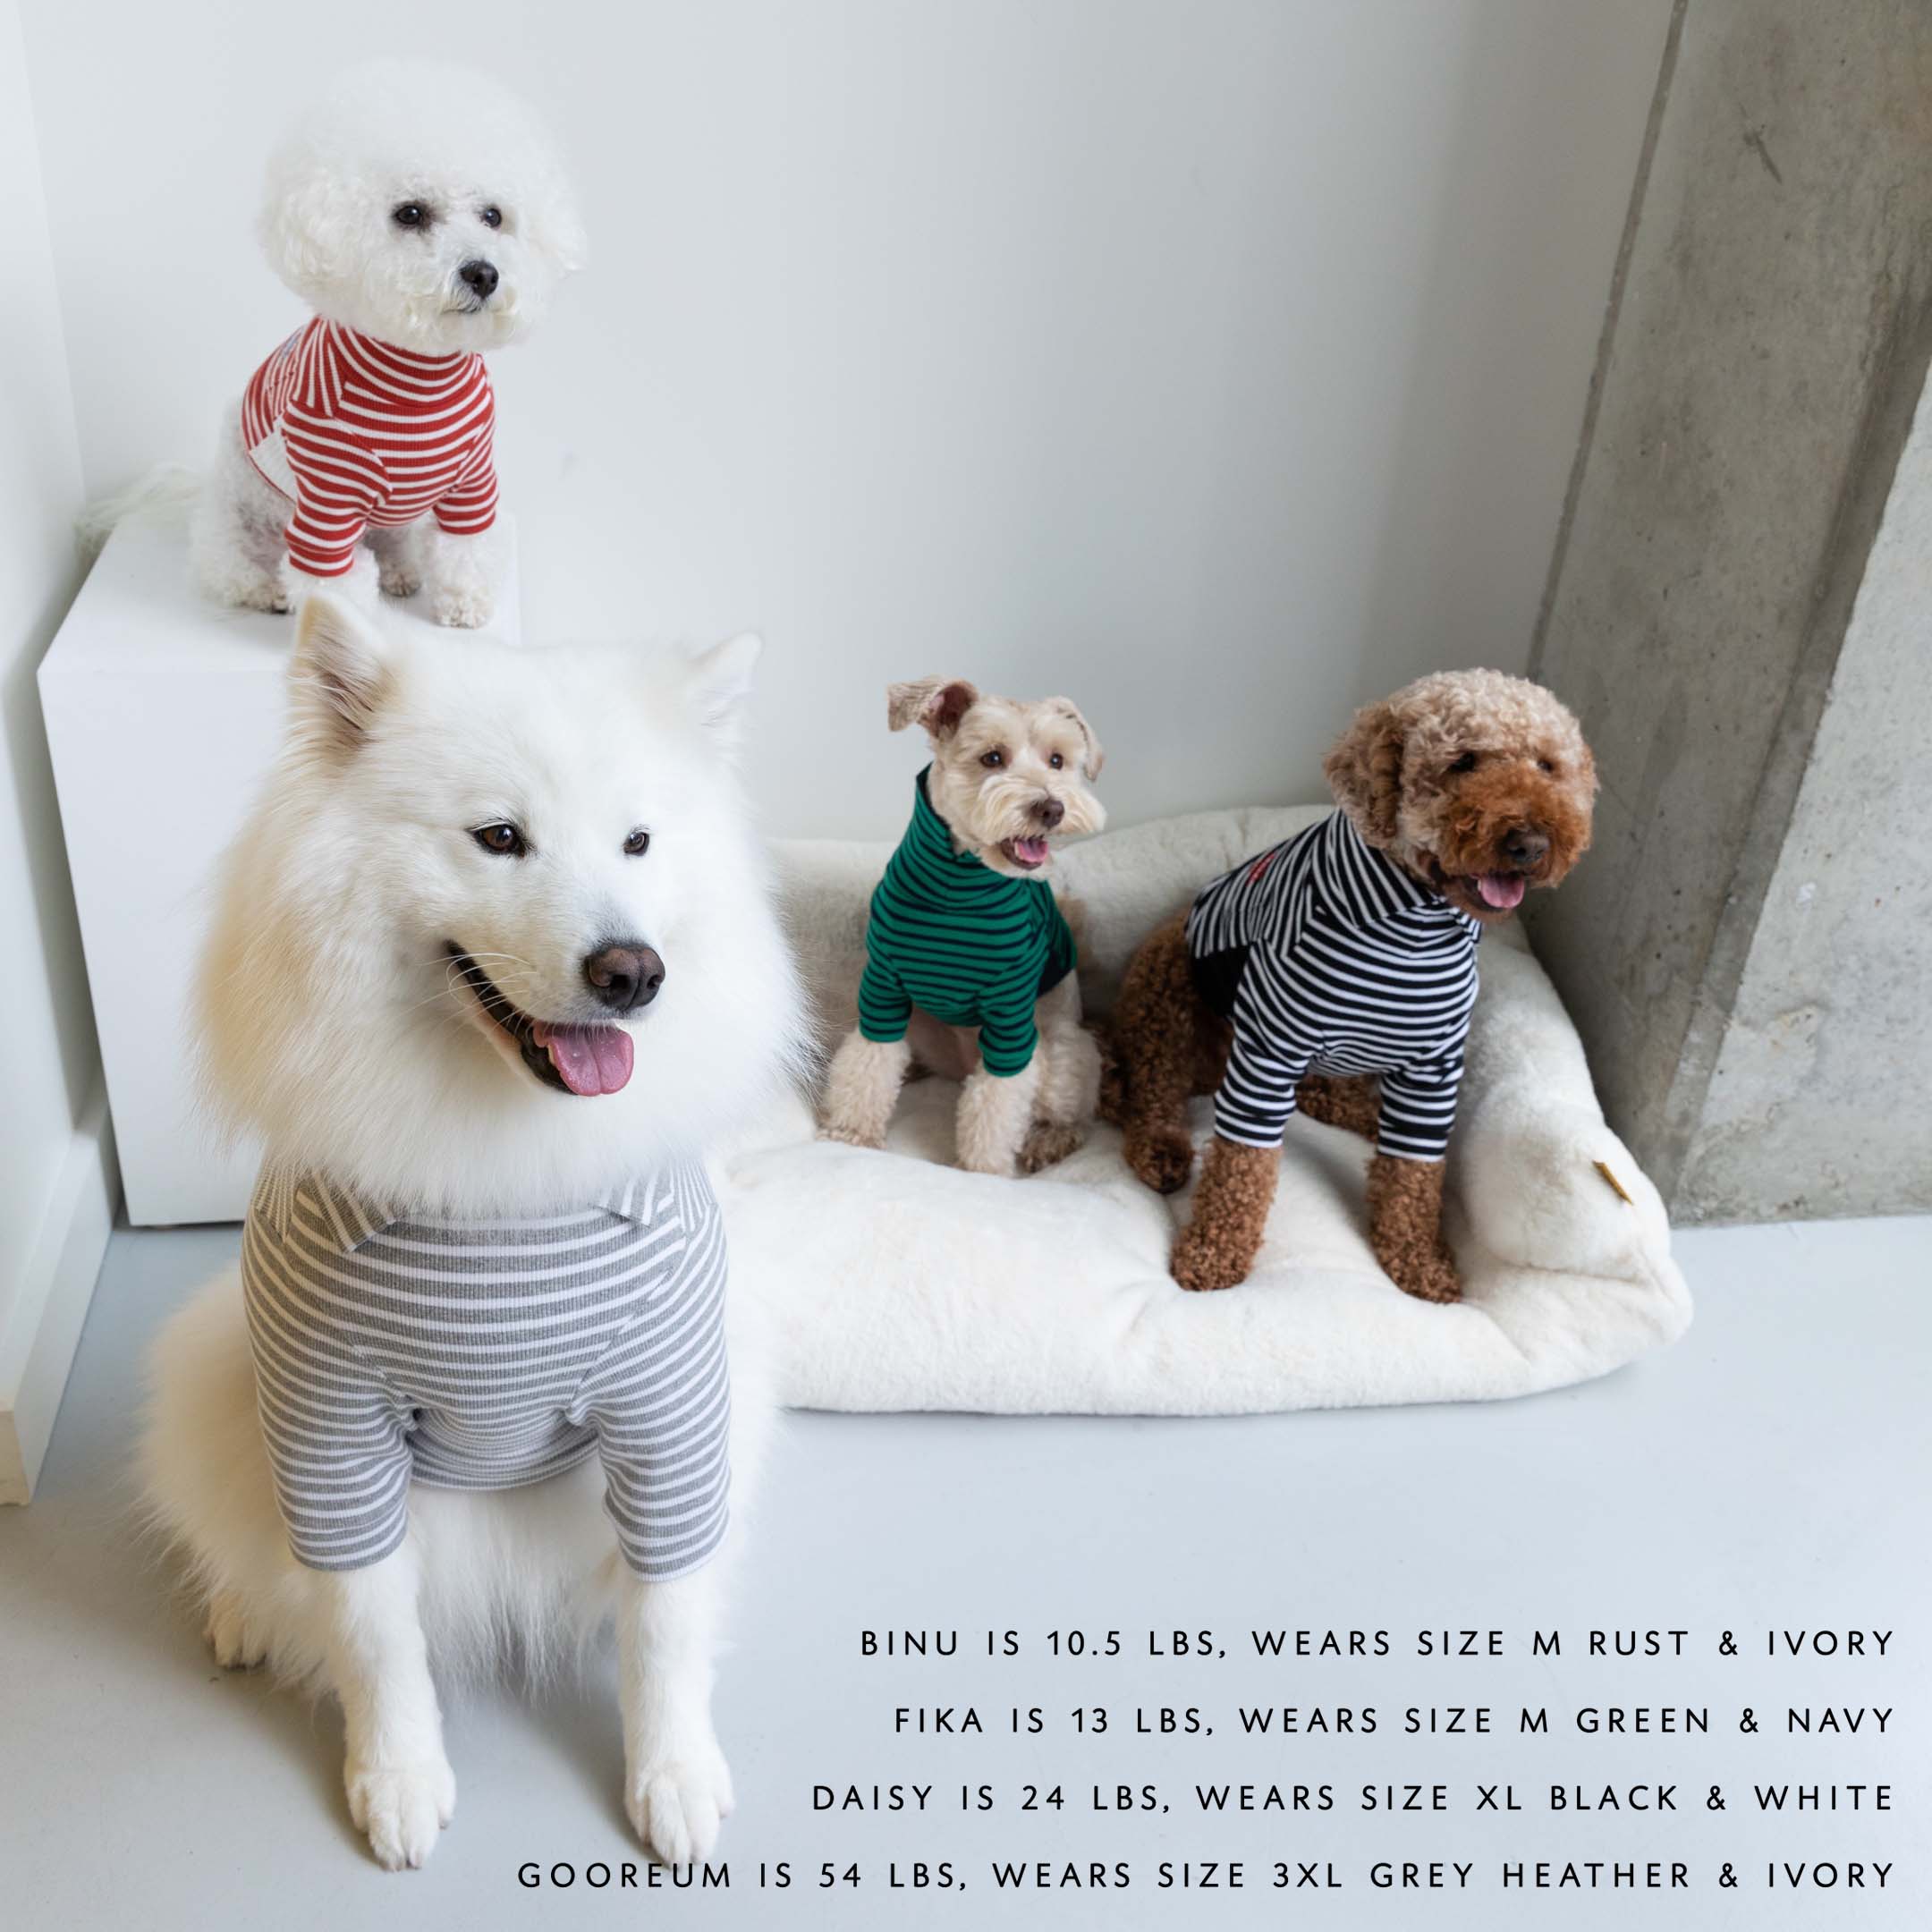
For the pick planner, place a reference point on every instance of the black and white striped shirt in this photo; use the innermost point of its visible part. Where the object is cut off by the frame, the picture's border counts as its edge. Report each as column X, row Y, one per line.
column 394, row 1347
column 1341, row 963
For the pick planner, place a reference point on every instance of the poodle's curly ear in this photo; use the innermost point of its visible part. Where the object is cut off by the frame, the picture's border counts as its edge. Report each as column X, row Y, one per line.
column 308, row 221
column 1095, row 756
column 937, row 703
column 1364, row 770
column 553, row 223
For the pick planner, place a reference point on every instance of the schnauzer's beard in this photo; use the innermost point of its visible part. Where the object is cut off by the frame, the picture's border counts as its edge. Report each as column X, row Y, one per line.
column 987, row 809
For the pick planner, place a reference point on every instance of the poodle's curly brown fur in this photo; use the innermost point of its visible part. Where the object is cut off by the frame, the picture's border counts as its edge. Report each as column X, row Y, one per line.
column 1218, row 1246
column 1405, row 1228
column 1445, row 777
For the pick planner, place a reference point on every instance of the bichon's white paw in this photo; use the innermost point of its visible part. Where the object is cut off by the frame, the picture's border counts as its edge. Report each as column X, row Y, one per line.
column 402, row 1808
column 676, row 1803
column 463, row 606
column 398, row 578
column 236, row 1644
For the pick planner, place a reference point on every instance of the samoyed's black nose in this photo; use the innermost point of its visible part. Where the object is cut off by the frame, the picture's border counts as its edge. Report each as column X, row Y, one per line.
column 626, row 974
column 479, row 275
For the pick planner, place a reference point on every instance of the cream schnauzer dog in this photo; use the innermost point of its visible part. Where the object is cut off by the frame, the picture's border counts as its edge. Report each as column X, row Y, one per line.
column 966, row 948
column 424, row 216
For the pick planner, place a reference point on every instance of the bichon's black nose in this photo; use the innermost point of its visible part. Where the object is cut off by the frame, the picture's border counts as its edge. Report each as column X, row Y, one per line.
column 1525, row 846
column 626, row 974
column 479, row 275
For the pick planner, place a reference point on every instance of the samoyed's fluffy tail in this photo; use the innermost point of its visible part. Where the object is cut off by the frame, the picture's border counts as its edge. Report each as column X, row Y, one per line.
column 167, row 490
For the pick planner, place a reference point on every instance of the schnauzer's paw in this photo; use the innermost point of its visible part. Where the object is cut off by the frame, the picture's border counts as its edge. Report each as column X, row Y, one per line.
column 1048, row 1143
column 401, row 1807
column 463, row 606
column 1202, row 1262
column 1162, row 1159
column 676, row 1804
column 847, row 1136
column 1428, row 1276
column 236, row 1645
column 398, row 578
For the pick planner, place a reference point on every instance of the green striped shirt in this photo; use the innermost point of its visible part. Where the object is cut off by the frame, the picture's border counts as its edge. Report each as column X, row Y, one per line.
column 966, row 944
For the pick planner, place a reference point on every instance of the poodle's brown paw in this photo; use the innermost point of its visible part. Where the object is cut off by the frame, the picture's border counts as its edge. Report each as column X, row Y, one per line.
column 1405, row 1228
column 1048, row 1143
column 1161, row 1157
column 1428, row 1277
column 1203, row 1261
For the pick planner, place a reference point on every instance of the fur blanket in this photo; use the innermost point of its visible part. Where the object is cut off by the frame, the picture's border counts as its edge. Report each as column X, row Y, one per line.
column 893, row 1280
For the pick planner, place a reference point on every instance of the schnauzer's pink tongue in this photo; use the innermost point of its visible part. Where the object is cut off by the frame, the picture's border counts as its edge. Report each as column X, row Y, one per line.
column 1501, row 890
column 590, row 1059
column 1030, row 851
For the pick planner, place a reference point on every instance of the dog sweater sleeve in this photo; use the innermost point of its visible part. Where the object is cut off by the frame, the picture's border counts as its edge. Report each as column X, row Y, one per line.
column 1266, row 1062
column 884, row 1006
column 339, row 481
column 470, row 507
column 659, row 1399
column 340, row 1460
column 1419, row 1107
column 1007, row 1032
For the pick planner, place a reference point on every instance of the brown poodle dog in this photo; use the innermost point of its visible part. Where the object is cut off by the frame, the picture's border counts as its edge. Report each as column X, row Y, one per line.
column 1337, row 970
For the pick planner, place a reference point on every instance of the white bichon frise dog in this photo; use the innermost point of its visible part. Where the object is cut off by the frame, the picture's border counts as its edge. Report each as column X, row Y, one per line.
column 425, row 216
column 493, row 965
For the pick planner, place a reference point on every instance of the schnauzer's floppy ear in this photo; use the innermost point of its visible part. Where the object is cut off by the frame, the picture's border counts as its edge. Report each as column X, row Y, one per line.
column 935, row 702
column 337, row 677
column 1364, row 771
column 1095, row 758
column 720, row 678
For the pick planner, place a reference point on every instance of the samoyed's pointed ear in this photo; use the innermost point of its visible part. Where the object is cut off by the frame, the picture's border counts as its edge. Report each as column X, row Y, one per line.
column 338, row 677
column 720, row 679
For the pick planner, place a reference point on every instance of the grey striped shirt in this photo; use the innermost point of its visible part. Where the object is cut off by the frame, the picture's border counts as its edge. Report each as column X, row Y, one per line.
column 392, row 1347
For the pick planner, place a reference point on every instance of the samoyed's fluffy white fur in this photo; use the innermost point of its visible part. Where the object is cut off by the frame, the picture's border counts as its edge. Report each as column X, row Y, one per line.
column 335, row 1028
column 489, row 185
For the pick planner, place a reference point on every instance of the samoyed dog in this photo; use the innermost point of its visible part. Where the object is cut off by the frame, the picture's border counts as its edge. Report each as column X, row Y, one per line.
column 495, row 943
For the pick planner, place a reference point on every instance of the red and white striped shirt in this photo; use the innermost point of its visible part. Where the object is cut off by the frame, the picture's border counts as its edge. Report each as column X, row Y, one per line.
column 354, row 431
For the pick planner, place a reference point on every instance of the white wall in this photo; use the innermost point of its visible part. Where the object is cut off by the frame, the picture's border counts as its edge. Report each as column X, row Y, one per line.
column 1217, row 363
column 51, row 1157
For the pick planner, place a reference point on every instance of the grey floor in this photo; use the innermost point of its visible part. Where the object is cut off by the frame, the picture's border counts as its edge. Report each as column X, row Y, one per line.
column 1768, row 1474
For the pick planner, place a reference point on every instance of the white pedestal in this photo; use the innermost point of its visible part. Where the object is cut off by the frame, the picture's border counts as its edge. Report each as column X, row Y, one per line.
column 162, row 710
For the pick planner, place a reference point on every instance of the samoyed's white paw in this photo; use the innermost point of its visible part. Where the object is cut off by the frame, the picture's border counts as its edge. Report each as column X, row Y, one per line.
column 237, row 1645
column 676, row 1803
column 401, row 1807
column 463, row 606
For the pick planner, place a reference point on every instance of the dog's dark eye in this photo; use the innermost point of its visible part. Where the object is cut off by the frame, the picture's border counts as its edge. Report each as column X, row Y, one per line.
column 1467, row 762
column 993, row 760
column 637, row 845
column 1543, row 763
column 502, row 838
column 1057, row 761
column 410, row 214
column 493, row 218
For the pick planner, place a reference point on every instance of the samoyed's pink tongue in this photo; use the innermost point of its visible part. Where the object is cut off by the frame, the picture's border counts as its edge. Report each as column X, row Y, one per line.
column 1030, row 850
column 591, row 1059
column 1501, row 890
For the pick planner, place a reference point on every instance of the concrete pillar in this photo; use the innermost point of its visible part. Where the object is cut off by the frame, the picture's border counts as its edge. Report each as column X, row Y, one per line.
column 1740, row 608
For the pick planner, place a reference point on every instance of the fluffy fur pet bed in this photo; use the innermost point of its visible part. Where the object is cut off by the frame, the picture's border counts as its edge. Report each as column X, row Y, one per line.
column 895, row 1281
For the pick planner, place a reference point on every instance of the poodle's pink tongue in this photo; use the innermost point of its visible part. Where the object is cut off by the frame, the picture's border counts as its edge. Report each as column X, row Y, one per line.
column 1501, row 890
column 590, row 1059
column 1030, row 850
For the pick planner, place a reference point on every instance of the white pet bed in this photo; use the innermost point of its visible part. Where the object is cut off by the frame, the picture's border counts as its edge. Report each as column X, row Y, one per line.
column 895, row 1281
